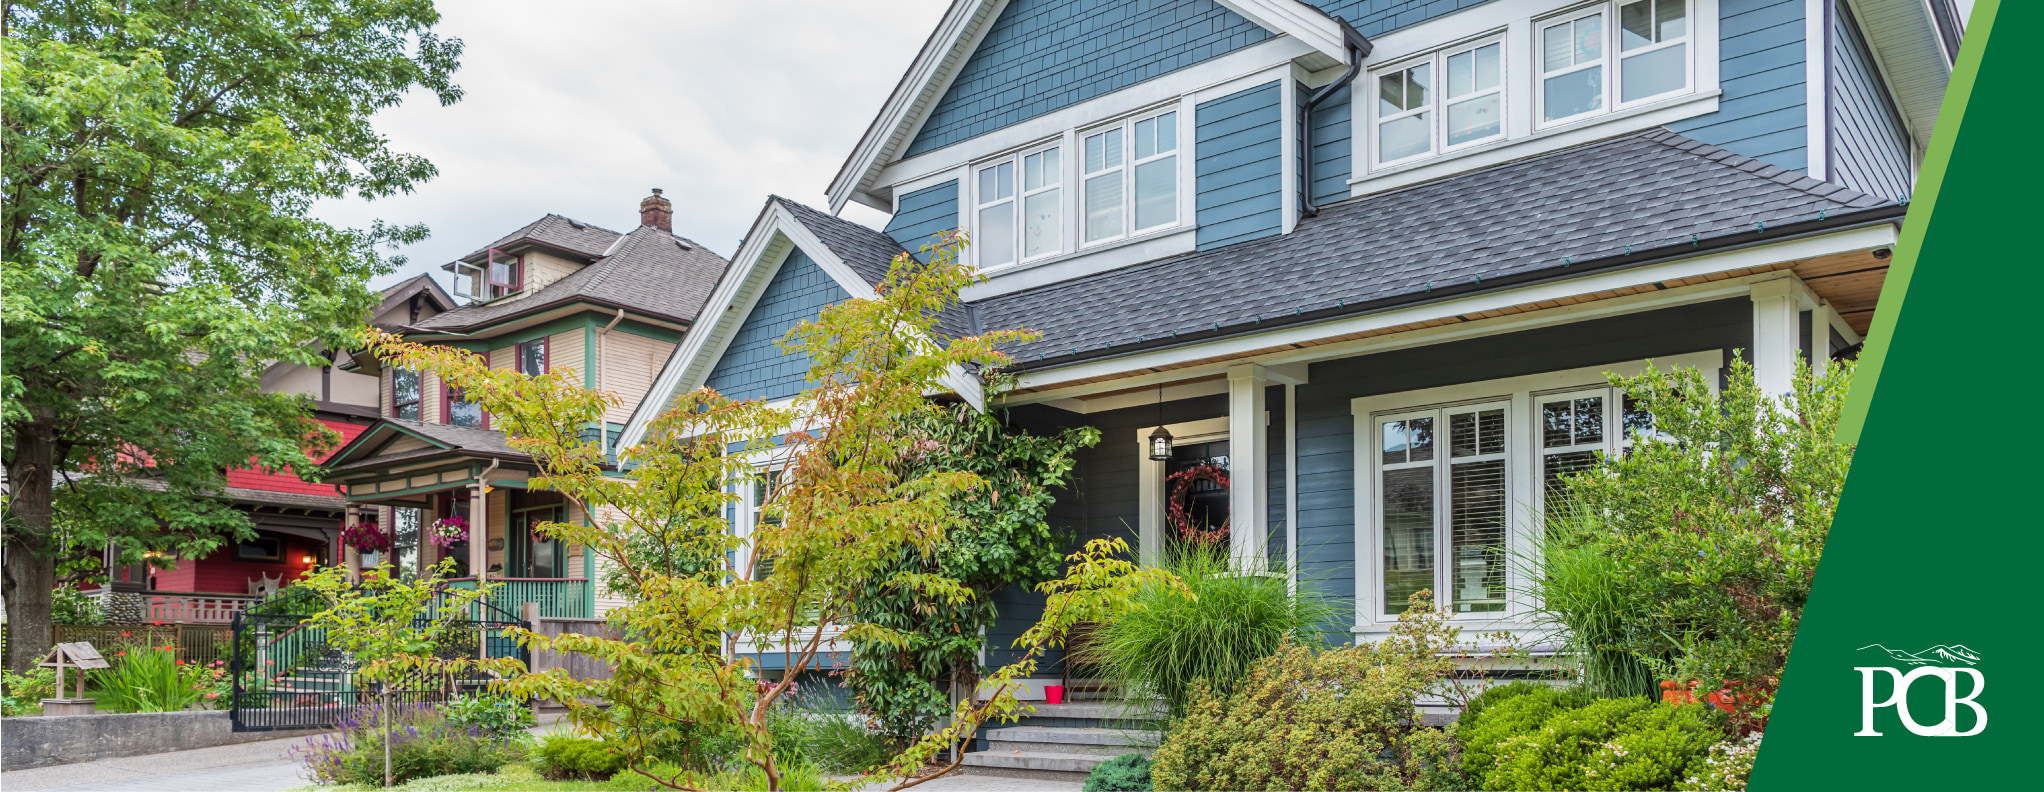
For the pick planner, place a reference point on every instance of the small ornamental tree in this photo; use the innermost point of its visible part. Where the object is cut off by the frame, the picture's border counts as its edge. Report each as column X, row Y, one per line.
column 1713, row 529
column 843, row 510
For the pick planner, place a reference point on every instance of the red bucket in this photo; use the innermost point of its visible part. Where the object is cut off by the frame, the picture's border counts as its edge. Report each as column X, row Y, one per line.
column 1053, row 694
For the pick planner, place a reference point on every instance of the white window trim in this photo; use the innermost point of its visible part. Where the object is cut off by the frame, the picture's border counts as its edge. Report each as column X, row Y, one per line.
column 1523, row 136
column 1437, row 104
column 1071, row 158
column 1521, row 475
column 974, row 202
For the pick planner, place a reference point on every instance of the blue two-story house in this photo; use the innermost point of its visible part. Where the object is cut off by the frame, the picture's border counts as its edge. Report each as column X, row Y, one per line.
column 1372, row 257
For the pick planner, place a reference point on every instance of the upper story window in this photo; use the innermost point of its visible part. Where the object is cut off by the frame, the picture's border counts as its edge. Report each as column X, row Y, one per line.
column 459, row 410
column 506, row 273
column 530, row 358
column 1037, row 195
column 1650, row 43
column 1130, row 178
column 405, row 394
column 1534, row 74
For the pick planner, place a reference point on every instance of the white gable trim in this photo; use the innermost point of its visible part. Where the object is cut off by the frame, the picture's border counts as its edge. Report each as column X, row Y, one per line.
column 958, row 35
column 773, row 237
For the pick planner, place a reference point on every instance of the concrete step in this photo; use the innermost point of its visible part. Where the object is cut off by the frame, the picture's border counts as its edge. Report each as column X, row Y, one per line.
column 1040, row 765
column 1100, row 710
column 1069, row 740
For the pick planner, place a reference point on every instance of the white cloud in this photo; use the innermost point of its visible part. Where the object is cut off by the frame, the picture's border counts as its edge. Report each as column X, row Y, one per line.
column 580, row 108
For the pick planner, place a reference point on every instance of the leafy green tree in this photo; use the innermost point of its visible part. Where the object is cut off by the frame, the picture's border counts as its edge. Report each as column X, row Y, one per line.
column 1711, row 531
column 161, row 158
column 849, row 501
column 1005, row 539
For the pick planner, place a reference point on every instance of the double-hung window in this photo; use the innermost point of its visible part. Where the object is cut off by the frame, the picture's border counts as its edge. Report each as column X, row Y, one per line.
column 405, row 394
column 1444, row 101
column 1650, row 43
column 530, row 357
column 1129, row 178
column 1029, row 185
column 1444, row 506
column 459, row 410
column 1575, row 427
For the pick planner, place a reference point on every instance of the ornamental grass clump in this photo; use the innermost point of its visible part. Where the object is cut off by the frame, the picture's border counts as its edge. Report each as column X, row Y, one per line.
column 1168, row 644
column 147, row 678
column 1345, row 718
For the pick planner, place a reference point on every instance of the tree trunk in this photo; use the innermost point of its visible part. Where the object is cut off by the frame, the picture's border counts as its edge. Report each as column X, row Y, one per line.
column 31, row 570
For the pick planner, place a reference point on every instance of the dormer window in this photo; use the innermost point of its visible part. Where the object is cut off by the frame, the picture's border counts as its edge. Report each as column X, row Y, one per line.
column 507, row 274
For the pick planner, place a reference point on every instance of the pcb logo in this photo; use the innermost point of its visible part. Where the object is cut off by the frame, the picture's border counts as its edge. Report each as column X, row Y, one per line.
column 1941, row 662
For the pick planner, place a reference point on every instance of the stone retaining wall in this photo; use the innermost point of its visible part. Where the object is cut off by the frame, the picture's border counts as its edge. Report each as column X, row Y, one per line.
column 42, row 741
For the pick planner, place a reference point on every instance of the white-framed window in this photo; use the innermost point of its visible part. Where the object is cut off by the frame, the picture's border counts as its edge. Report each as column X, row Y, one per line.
column 1589, row 65
column 1452, row 482
column 1019, row 206
column 757, row 509
column 1447, row 100
column 1129, row 178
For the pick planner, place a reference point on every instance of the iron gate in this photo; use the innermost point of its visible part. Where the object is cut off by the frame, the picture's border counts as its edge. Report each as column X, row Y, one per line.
column 288, row 676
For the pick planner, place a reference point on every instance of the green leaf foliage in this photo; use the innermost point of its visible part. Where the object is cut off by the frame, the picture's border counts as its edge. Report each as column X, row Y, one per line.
column 159, row 161
column 1532, row 743
column 1124, row 773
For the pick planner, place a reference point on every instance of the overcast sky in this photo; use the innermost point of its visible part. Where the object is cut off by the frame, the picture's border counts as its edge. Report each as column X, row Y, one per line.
column 579, row 109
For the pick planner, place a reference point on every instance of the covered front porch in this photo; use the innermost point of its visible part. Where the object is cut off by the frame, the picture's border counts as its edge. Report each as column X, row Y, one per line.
column 436, row 493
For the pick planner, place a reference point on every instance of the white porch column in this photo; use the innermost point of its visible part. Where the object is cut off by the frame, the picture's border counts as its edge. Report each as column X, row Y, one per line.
column 478, row 531
column 1777, row 335
column 350, row 555
column 1248, row 468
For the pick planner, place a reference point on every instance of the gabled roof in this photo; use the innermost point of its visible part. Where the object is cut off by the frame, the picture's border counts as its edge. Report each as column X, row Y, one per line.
column 648, row 271
column 1615, row 203
column 565, row 234
column 952, row 43
column 360, row 453
column 419, row 285
column 855, row 256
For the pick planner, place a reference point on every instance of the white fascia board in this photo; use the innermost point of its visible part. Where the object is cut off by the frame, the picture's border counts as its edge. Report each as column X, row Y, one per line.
column 1862, row 238
column 920, row 86
column 1156, row 92
column 1309, row 25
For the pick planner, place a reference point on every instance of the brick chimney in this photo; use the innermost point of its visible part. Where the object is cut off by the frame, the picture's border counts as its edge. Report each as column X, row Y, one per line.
column 657, row 212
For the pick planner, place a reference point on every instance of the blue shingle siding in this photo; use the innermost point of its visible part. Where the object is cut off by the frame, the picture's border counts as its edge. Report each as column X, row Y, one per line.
column 1377, row 17
column 1331, row 148
column 1762, row 113
column 1042, row 55
column 1238, row 162
column 922, row 214
column 753, row 366
column 1869, row 147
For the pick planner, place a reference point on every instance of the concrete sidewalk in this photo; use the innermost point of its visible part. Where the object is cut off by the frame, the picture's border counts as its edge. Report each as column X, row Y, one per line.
column 248, row 767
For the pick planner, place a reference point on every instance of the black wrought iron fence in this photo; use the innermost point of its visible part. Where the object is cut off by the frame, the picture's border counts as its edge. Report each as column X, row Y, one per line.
column 288, row 675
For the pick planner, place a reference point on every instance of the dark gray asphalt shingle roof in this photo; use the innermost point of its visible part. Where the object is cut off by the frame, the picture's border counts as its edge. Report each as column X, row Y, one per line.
column 565, row 233
column 1514, row 221
column 869, row 253
column 650, row 271
column 458, row 438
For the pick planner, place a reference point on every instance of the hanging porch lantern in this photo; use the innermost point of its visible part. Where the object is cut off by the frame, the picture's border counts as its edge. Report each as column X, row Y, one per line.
column 1160, row 445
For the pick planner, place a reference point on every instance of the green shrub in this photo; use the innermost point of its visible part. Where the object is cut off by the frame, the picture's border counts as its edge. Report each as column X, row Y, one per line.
column 1608, row 744
column 1518, row 709
column 1124, row 773
column 489, row 715
column 1340, row 719
column 840, row 743
column 422, row 744
column 1494, row 695
column 23, row 694
column 71, row 606
column 1728, row 767
column 560, row 757
column 1169, row 642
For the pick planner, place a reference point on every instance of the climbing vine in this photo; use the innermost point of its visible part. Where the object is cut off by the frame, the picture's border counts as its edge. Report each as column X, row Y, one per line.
column 1003, row 538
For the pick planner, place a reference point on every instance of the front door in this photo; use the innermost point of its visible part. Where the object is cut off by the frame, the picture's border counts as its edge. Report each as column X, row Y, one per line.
column 1196, row 492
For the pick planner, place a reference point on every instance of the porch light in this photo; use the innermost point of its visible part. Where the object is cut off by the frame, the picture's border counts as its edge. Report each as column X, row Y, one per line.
column 1160, row 445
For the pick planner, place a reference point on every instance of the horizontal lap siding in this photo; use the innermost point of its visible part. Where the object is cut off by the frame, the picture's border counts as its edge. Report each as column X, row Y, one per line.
column 1043, row 55
column 923, row 214
column 630, row 362
column 1238, row 162
column 1870, row 150
column 753, row 366
column 1331, row 148
column 1762, row 72
column 1326, row 428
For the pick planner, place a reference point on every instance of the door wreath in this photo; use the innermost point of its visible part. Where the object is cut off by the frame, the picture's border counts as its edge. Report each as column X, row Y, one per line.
column 1189, row 528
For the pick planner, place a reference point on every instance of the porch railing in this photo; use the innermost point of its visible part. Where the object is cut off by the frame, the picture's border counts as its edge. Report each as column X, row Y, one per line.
column 558, row 598
column 170, row 607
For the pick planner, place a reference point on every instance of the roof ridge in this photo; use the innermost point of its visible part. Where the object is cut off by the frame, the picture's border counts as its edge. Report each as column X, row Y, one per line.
column 583, row 223
column 1774, row 173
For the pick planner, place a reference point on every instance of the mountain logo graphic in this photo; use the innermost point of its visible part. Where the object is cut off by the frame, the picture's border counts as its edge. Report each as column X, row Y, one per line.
column 1942, row 654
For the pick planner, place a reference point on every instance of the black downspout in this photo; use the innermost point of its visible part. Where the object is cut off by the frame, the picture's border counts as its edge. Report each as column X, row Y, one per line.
column 1359, row 47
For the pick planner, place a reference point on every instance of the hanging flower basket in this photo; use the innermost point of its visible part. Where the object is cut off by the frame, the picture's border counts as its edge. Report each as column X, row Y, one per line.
column 1189, row 528
column 365, row 537
column 447, row 532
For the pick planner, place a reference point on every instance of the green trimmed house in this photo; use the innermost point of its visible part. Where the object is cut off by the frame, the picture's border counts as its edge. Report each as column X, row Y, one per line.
column 558, row 294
